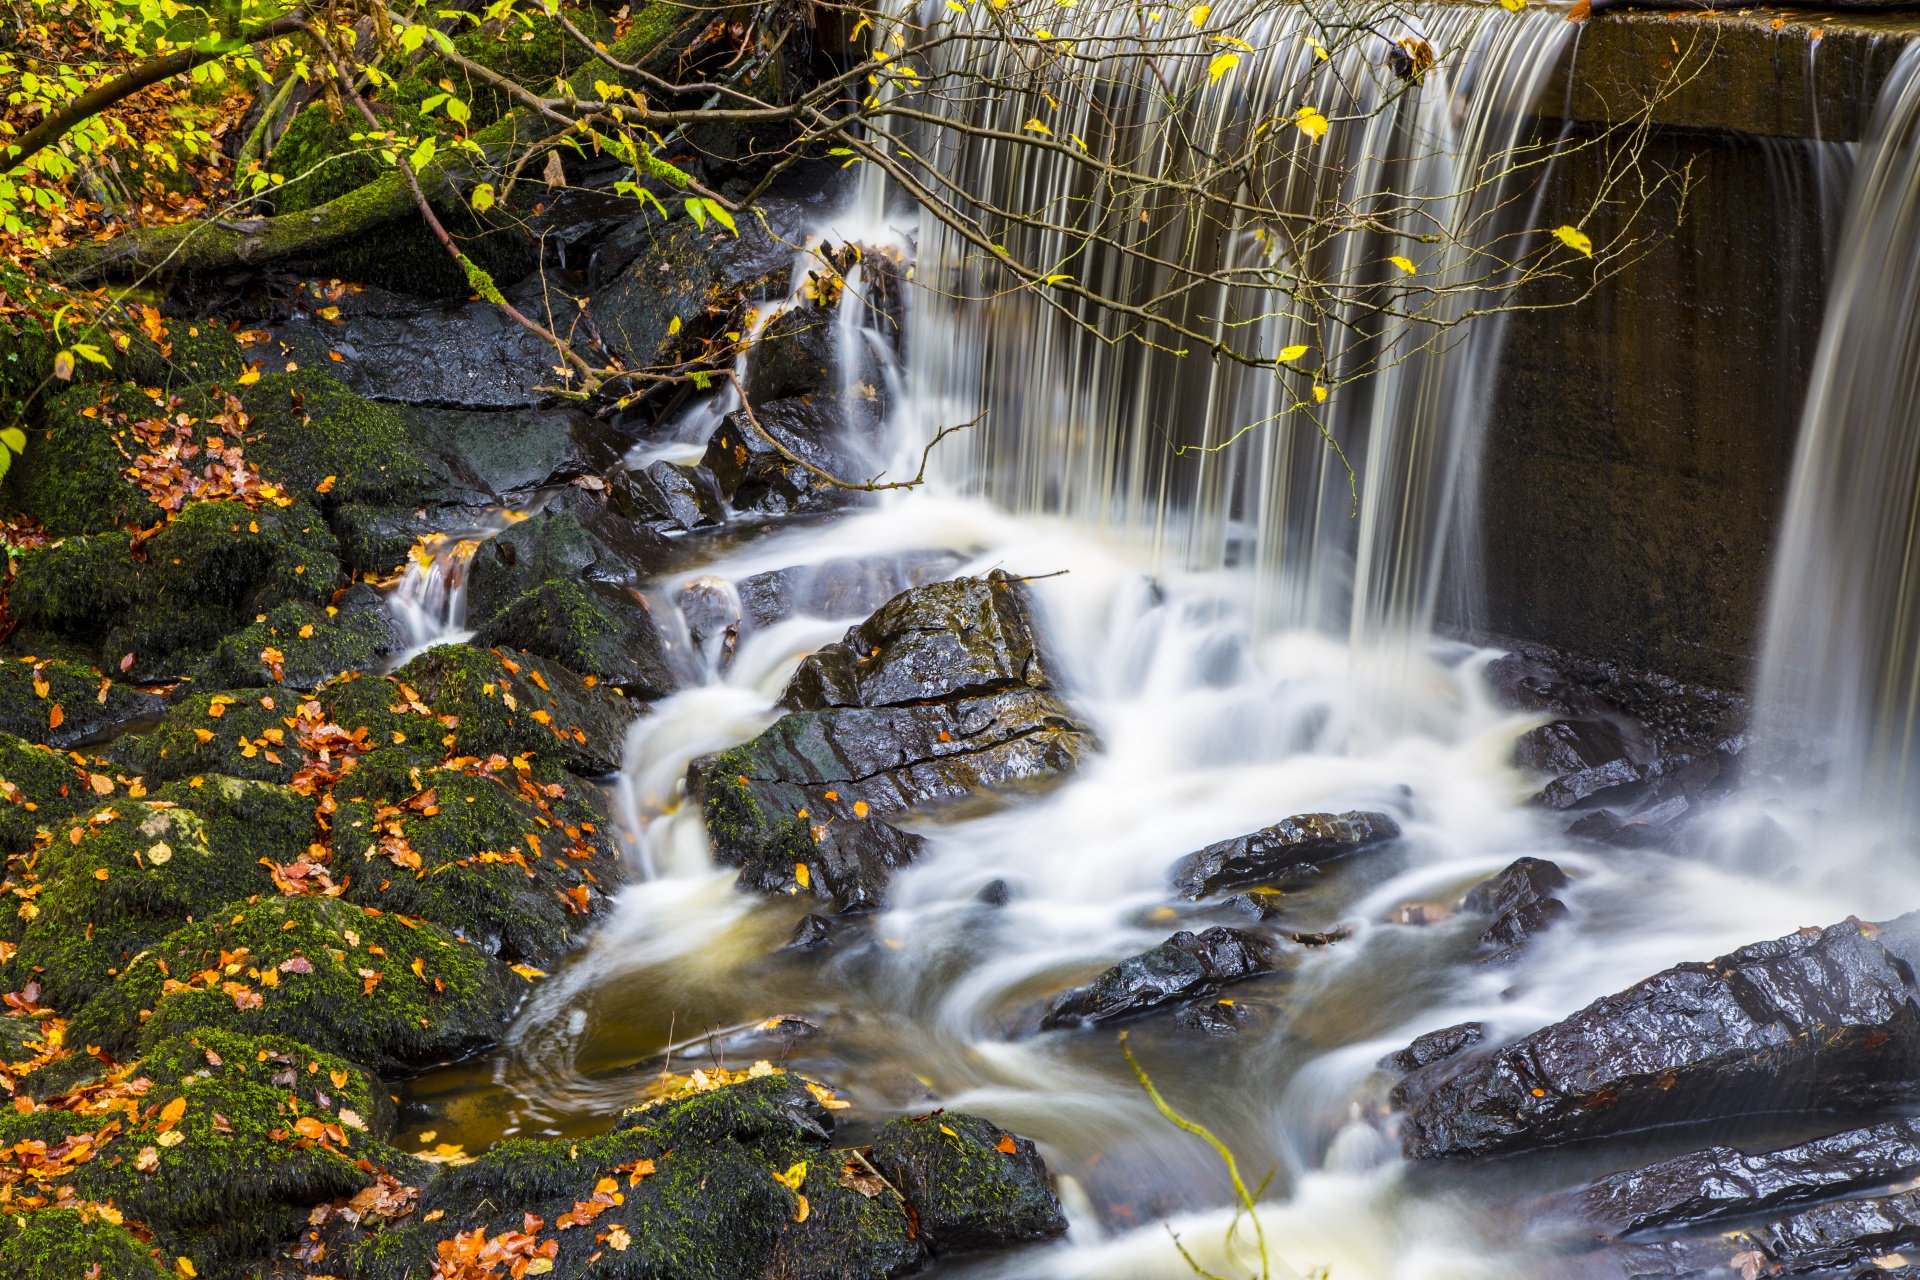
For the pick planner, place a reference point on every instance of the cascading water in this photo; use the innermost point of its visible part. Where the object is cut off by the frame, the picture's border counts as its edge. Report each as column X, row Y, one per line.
column 1840, row 665
column 430, row 598
column 1215, row 620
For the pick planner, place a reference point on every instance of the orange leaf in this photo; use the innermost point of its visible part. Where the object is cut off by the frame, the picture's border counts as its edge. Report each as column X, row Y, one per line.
column 171, row 1113
column 1005, row 1145
column 55, row 717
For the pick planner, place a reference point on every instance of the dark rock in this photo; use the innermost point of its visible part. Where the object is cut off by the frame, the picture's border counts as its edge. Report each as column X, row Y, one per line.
column 1818, row 1019
column 456, row 355
column 755, row 476
column 1435, row 1046
column 1306, row 839
column 1611, row 783
column 249, row 739
column 1216, row 1018
column 711, row 612
column 314, row 643
column 812, row 931
column 995, row 893
column 1721, row 1182
column 1520, row 900
column 967, row 1191
column 1524, row 684
column 1850, row 1239
column 797, row 354
column 507, row 454
column 669, row 496
column 1184, row 967
column 74, row 691
column 940, row 696
column 1258, row 906
column 1568, row 746
column 839, row 588
column 376, row 540
column 550, row 586
column 305, row 426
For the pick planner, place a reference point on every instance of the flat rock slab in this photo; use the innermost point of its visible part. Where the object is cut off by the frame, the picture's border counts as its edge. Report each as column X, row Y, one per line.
column 1185, row 967
column 1875, row 1236
column 460, row 355
column 1304, row 840
column 1822, row 1018
column 1722, row 1182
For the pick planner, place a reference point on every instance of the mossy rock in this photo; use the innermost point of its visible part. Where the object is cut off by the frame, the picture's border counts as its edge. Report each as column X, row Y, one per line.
column 140, row 869
column 215, row 568
column 78, row 587
column 711, row 1209
column 65, row 1244
column 972, row 1184
column 315, row 644
column 248, row 739
column 38, row 788
column 502, row 707
column 72, row 476
column 238, row 1177
column 402, row 1021
column 495, row 866
column 306, row 427
column 88, row 707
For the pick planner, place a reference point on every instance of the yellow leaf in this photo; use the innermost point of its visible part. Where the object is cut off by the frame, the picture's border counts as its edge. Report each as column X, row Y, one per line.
column 63, row 366
column 802, row 875
column 1035, row 126
column 1405, row 264
column 528, row 971
column 1310, row 122
column 1294, row 352
column 171, row 1114
column 251, row 376
column 1574, row 239
column 184, row 1266
column 673, row 326
column 1221, row 65
column 1319, row 393
column 205, row 735
column 539, row 1267
column 1513, row 6
column 1198, row 14
column 483, row 197
column 950, row 1133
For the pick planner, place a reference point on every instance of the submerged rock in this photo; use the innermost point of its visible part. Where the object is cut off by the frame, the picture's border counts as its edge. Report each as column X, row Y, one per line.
column 1185, row 967
column 1847, row 1238
column 1722, row 1182
column 1520, row 900
column 1304, row 840
column 941, row 695
column 1823, row 1018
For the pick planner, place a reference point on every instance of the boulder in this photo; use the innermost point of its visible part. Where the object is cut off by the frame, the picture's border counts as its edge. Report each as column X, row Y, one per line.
column 797, row 354
column 242, row 733
column 1822, row 1018
column 971, row 1184
column 941, row 695
column 306, row 428
column 669, row 497
column 753, row 475
column 1853, row 1239
column 39, row 787
column 1184, row 968
column 64, row 704
column 1722, row 1182
column 302, row 645
column 1520, row 900
column 506, row 455
column 1303, row 841
column 840, row 588
column 1435, row 1046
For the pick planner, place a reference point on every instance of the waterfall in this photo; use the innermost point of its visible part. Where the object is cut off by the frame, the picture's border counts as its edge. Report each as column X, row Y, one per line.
column 429, row 598
column 1840, row 659
column 1197, row 462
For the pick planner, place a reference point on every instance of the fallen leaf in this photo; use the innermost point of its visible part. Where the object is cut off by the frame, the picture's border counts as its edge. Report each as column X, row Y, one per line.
column 1005, row 1146
column 56, row 717
column 618, row 1239
column 171, row 1113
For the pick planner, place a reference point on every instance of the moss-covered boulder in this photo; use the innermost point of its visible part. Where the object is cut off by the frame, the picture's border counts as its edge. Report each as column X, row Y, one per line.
column 215, row 568
column 130, row 872
column 64, row 703
column 215, row 1143
column 252, row 736
column 739, row 1181
column 302, row 645
column 77, row 587
column 60, row 1244
column 305, row 427
column 72, row 476
column 38, row 788
column 395, row 993
column 495, row 855
column 972, row 1184
column 549, row 586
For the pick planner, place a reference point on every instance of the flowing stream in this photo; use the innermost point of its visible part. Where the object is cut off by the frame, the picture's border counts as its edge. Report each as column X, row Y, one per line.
column 1249, row 642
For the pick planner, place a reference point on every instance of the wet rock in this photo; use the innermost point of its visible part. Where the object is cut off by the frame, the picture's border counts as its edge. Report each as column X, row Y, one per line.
column 1216, row 1018
column 39, row 787
column 1722, row 1182
column 1185, row 967
column 248, row 739
column 376, row 540
column 1255, row 906
column 844, row 588
column 940, row 696
column 507, row 455
column 1568, row 746
column 72, row 697
column 328, row 989
column 1614, row 782
column 812, row 932
column 1520, row 900
column 972, row 1185
column 1435, row 1046
column 797, row 354
column 550, row 586
column 711, row 611
column 995, row 893
column 710, row 1185
column 313, row 644
column 1817, row 1019
column 1853, row 1239
column 754, row 475
column 1305, row 840
column 465, row 355
column 305, row 426
column 669, row 496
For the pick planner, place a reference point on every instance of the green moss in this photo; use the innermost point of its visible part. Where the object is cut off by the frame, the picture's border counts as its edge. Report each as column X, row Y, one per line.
column 495, row 700
column 968, row 1190
column 249, row 739
column 315, row 644
column 38, row 788
column 64, row 1244
column 79, row 587
column 71, row 478
column 576, row 625
column 495, row 861
column 402, row 1020
column 746, row 832
column 306, row 426
column 76, row 690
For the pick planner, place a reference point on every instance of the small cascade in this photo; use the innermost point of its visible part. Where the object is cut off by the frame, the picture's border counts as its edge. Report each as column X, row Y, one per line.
column 430, row 596
column 1840, row 663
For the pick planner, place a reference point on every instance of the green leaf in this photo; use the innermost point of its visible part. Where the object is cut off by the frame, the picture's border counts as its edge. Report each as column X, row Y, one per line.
column 14, row 438
column 483, row 197
column 457, row 111
column 433, row 102
column 698, row 212
column 720, row 214
column 92, row 353
column 422, row 156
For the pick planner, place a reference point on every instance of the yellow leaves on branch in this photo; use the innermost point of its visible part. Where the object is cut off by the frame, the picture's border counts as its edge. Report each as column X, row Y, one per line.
column 1198, row 14
column 1035, row 125
column 1402, row 262
column 1575, row 239
column 1309, row 121
column 1290, row 354
column 1221, row 65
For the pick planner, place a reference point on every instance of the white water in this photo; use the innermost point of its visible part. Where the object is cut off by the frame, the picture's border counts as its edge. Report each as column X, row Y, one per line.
column 1230, row 688
column 430, row 599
